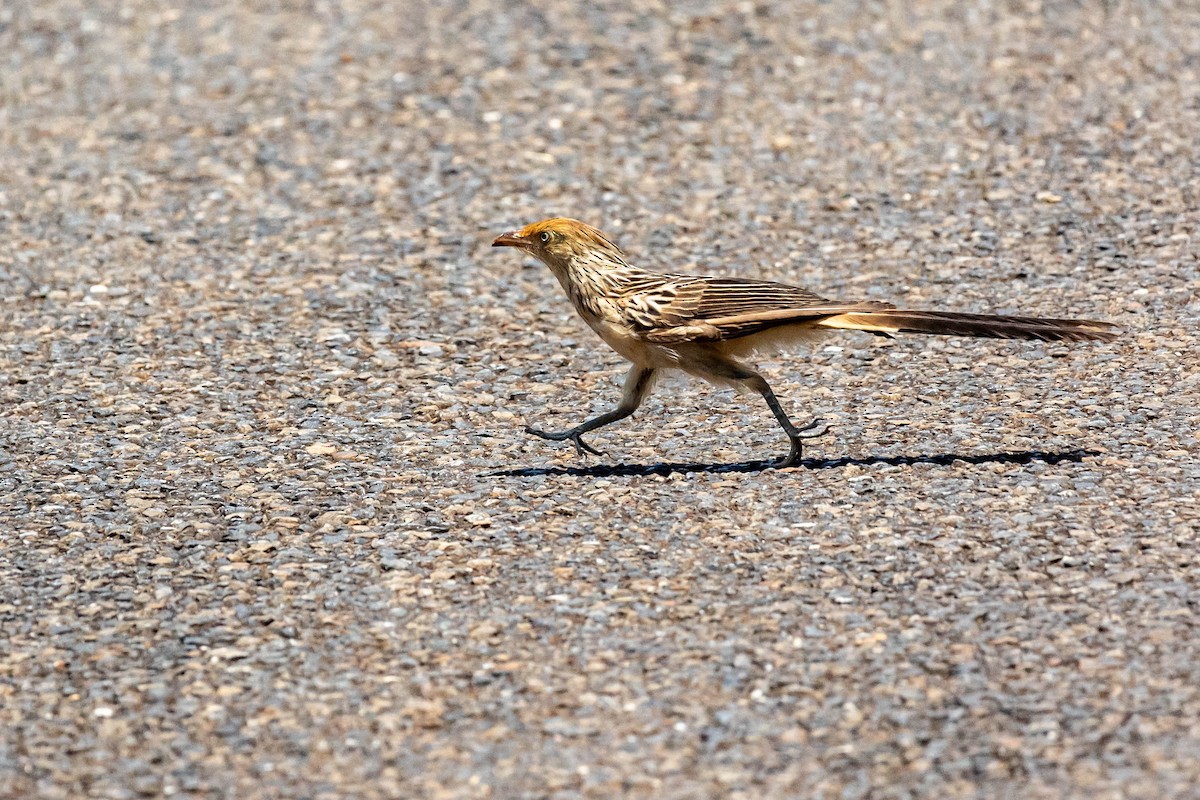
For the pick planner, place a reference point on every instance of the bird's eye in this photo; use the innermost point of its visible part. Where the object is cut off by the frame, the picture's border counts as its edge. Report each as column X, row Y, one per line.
column 544, row 237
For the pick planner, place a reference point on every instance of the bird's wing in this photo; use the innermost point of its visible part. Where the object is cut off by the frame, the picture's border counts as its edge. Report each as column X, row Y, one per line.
column 685, row 308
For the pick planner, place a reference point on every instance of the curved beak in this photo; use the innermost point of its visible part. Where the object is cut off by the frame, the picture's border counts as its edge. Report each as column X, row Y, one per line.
column 510, row 239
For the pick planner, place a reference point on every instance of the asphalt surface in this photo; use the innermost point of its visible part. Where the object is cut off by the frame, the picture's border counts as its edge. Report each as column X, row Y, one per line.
column 269, row 522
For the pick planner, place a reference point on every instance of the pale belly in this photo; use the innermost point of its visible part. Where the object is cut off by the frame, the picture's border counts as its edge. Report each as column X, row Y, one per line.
column 642, row 353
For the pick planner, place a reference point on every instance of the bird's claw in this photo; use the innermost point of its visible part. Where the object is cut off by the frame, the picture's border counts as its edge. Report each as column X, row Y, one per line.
column 818, row 427
column 575, row 437
column 581, row 446
column 791, row 459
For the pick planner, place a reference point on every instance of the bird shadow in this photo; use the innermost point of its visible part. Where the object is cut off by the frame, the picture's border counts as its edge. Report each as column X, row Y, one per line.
column 941, row 459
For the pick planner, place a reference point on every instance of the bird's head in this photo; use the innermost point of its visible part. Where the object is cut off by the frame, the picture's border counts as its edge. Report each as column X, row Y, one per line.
column 559, row 241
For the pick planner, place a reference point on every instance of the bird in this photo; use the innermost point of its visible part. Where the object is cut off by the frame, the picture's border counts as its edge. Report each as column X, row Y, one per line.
column 708, row 326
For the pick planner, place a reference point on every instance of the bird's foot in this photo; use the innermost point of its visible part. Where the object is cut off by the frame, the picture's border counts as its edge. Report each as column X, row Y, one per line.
column 573, row 435
column 791, row 459
column 816, row 428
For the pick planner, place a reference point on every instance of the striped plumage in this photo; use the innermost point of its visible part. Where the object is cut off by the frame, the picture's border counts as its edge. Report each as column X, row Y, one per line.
column 702, row 324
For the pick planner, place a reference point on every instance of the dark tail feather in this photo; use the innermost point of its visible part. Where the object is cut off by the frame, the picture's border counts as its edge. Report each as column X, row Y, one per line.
column 983, row 325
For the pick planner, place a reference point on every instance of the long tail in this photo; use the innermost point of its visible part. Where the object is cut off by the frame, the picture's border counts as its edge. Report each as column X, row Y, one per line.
column 945, row 323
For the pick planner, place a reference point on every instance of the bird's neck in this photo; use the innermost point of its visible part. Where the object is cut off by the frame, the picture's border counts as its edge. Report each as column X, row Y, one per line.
column 590, row 280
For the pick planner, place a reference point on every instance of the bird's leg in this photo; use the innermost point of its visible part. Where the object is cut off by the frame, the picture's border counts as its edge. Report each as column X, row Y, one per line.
column 813, row 429
column 716, row 366
column 637, row 385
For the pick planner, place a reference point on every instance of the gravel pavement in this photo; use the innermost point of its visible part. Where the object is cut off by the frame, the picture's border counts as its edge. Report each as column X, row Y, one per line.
column 270, row 525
